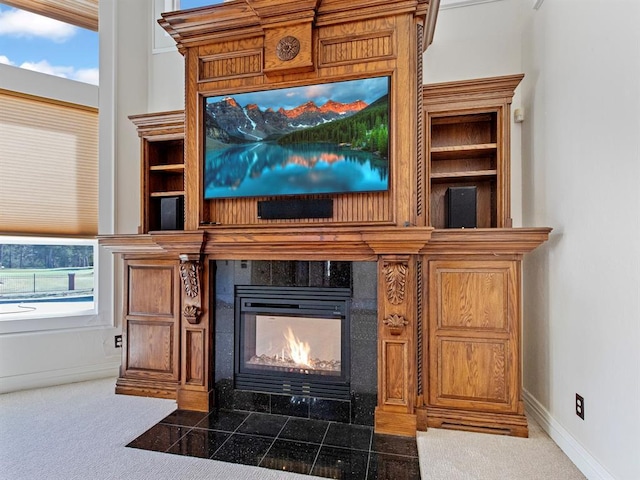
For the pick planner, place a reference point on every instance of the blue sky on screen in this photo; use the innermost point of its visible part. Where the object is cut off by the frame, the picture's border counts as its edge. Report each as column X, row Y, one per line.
column 38, row 43
column 367, row 90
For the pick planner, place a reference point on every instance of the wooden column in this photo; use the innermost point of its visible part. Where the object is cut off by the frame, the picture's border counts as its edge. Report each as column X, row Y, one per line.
column 195, row 391
column 396, row 345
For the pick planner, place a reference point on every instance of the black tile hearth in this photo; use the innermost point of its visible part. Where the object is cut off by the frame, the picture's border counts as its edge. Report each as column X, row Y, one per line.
column 343, row 463
column 263, row 424
column 290, row 456
column 311, row 431
column 244, row 449
column 286, row 443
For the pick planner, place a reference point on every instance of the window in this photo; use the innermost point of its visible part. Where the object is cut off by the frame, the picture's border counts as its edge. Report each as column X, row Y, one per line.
column 40, row 277
column 49, row 168
column 185, row 4
column 48, row 45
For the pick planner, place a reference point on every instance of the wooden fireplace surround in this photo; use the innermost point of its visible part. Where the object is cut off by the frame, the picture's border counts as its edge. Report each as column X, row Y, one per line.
column 167, row 315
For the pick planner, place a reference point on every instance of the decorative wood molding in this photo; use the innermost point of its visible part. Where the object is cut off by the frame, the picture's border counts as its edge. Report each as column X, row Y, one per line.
column 190, row 272
column 419, row 326
column 235, row 65
column 288, row 48
column 492, row 241
column 420, row 142
column 191, row 314
column 396, row 323
column 159, row 125
column 296, row 242
column 375, row 45
column 468, row 90
column 395, row 276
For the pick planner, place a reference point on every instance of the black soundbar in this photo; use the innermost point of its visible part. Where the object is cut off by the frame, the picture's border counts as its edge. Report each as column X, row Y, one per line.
column 295, row 208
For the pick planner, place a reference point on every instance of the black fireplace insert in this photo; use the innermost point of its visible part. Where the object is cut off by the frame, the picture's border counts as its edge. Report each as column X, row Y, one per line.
column 293, row 340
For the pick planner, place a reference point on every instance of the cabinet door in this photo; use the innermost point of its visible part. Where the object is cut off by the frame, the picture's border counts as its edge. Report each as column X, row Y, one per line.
column 151, row 320
column 473, row 334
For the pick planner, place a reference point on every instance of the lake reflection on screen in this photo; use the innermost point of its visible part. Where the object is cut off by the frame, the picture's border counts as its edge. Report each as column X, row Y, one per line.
column 266, row 169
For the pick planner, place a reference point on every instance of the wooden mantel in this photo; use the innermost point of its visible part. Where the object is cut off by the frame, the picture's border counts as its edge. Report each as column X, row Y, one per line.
column 301, row 243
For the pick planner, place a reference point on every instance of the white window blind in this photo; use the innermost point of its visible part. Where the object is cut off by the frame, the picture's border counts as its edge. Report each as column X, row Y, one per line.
column 48, row 167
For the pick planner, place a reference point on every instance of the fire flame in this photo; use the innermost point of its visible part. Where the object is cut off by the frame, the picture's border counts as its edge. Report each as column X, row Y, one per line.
column 298, row 350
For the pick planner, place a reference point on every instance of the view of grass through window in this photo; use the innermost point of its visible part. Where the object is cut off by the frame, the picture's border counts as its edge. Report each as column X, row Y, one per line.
column 37, row 273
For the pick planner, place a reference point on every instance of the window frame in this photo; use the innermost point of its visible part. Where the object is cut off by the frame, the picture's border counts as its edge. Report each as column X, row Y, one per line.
column 52, row 320
column 47, row 86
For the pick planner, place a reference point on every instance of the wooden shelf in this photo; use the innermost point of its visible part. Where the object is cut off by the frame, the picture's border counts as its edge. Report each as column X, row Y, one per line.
column 471, row 175
column 171, row 168
column 462, row 118
column 463, row 151
column 167, row 194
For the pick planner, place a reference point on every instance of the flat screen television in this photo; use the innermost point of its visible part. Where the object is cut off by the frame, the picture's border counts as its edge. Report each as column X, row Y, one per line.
column 324, row 138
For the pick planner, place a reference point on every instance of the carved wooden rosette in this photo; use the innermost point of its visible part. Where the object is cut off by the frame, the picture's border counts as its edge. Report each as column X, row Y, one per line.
column 396, row 345
column 288, row 48
column 190, row 269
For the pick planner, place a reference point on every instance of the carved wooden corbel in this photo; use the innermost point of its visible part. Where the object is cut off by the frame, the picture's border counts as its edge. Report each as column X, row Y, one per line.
column 395, row 275
column 190, row 269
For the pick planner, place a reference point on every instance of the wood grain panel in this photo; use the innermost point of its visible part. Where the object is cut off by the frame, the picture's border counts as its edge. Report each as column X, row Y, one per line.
column 150, row 346
column 376, row 45
column 233, row 65
column 473, row 299
column 151, row 290
column 194, row 363
column 395, row 360
column 368, row 208
column 474, row 371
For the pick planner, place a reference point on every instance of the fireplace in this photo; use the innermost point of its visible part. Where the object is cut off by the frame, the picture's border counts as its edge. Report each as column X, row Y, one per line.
column 293, row 340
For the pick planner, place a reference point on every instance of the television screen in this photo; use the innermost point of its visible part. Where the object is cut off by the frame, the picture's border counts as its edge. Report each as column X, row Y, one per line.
column 317, row 139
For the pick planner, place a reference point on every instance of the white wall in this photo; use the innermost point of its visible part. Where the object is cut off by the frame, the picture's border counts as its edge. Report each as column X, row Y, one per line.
column 578, row 161
column 476, row 41
column 581, row 172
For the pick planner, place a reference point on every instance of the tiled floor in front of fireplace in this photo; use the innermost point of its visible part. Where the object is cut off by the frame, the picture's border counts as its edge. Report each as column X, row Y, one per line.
column 313, row 447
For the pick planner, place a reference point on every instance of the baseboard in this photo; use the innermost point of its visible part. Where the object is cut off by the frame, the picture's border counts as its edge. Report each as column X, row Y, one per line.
column 59, row 377
column 586, row 463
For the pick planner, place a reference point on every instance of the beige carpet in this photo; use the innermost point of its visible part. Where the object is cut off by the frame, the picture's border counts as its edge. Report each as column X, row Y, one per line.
column 79, row 431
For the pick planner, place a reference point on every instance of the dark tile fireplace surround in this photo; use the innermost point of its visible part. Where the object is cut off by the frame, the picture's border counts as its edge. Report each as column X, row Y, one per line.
column 308, row 434
column 360, row 278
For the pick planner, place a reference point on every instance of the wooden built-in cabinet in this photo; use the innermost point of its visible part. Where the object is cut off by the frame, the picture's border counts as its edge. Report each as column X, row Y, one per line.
column 473, row 335
column 162, row 164
column 472, row 315
column 449, row 299
column 468, row 144
column 151, row 328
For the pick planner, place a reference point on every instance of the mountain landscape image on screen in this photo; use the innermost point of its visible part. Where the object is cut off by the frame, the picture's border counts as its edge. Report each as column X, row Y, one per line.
column 318, row 139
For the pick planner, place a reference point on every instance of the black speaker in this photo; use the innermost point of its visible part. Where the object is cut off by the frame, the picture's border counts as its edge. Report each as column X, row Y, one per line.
column 461, row 207
column 295, row 208
column 171, row 213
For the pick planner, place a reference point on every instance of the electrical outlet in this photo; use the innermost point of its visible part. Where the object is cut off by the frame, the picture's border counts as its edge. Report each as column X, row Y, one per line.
column 580, row 406
column 118, row 341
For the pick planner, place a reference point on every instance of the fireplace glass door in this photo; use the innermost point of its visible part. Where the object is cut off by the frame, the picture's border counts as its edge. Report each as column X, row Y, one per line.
column 293, row 340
